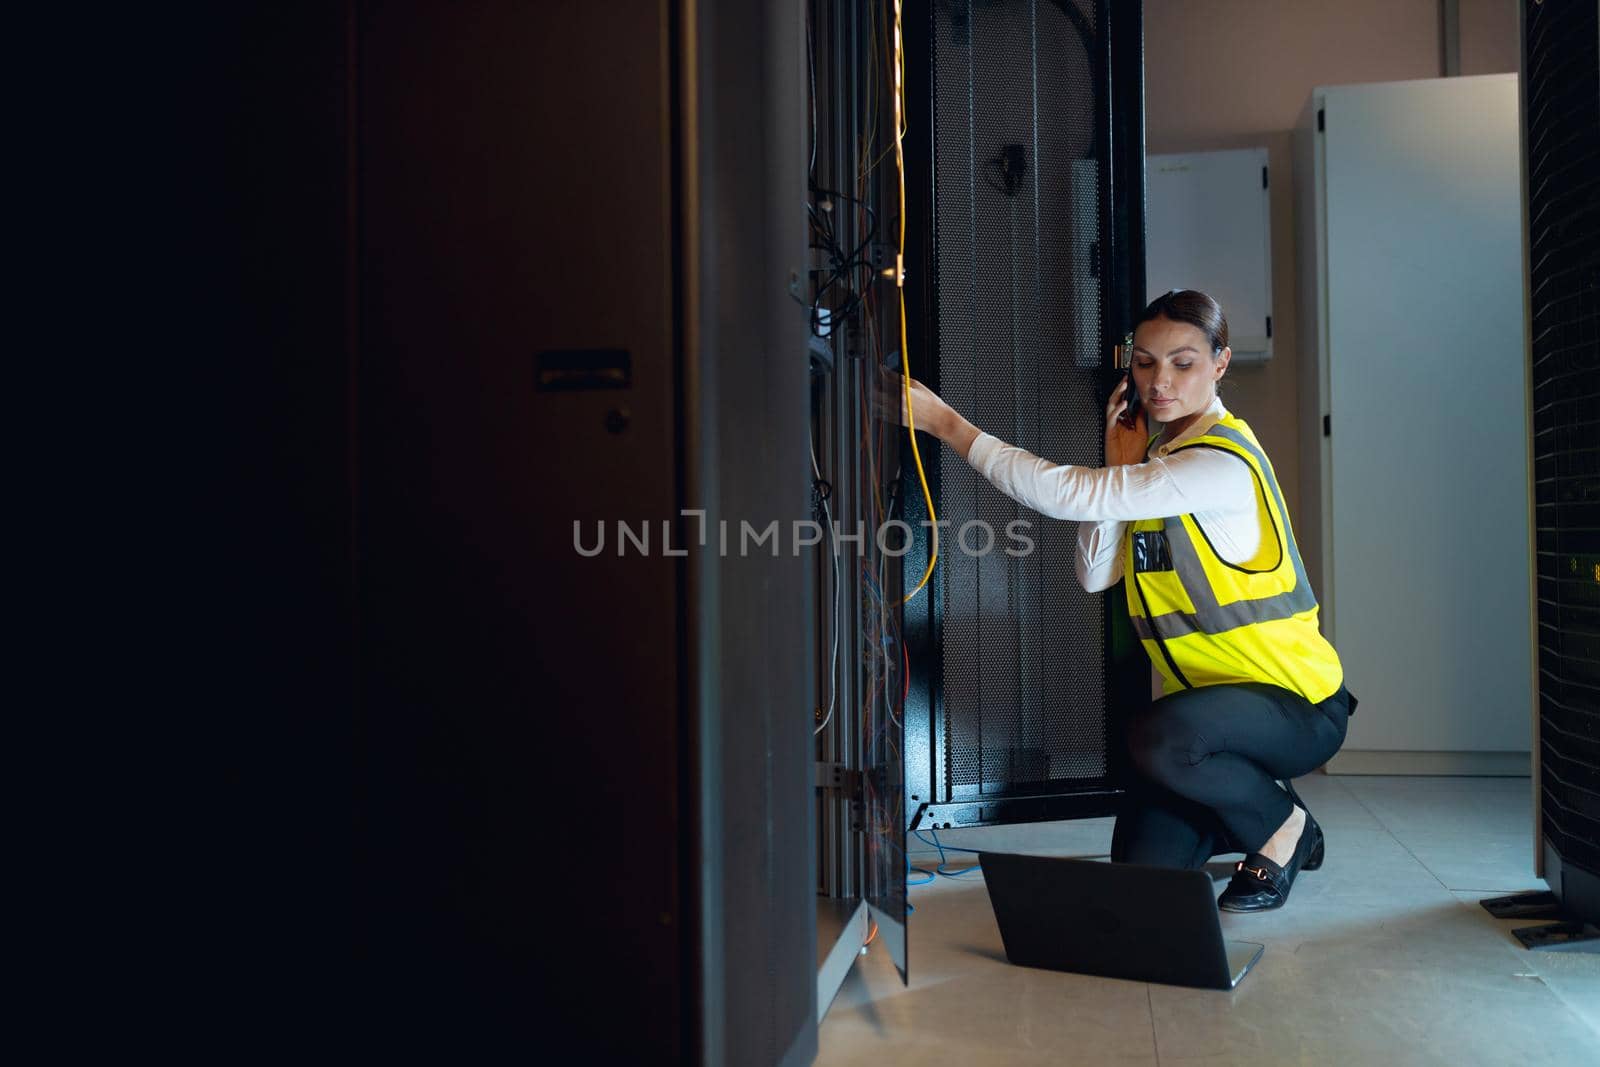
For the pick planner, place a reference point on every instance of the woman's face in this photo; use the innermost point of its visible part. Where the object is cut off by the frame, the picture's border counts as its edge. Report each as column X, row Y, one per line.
column 1174, row 370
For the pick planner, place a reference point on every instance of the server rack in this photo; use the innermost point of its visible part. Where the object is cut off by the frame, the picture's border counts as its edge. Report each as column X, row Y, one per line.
column 1028, row 267
column 991, row 694
column 1561, row 134
column 853, row 310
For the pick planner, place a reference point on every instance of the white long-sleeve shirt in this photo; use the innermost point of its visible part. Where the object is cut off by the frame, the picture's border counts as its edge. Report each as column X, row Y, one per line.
column 1215, row 486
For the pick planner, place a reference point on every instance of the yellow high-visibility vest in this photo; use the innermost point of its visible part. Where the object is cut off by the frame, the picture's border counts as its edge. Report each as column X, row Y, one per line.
column 1205, row 621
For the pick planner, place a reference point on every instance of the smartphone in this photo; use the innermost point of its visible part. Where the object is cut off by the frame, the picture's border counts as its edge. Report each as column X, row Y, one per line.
column 1124, row 359
column 1130, row 417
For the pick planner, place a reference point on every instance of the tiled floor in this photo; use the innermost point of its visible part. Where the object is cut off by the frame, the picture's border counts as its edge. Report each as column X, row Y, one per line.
column 1381, row 957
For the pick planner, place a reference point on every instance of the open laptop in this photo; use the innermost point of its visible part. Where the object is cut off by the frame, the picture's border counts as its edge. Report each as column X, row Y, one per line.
column 1118, row 920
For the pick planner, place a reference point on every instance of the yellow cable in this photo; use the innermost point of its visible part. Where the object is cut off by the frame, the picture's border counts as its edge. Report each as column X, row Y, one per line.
column 900, row 286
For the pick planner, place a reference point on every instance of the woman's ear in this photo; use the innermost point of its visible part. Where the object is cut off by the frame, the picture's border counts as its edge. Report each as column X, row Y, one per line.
column 1223, row 359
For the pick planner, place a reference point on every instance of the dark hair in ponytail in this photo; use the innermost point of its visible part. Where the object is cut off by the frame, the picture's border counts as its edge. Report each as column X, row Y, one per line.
column 1193, row 307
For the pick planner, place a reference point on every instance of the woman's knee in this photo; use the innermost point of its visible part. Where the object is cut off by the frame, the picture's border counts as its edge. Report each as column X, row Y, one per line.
column 1156, row 835
column 1164, row 743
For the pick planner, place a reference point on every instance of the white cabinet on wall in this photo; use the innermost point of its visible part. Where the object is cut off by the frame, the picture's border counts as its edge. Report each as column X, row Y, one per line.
column 1416, row 407
column 1208, row 227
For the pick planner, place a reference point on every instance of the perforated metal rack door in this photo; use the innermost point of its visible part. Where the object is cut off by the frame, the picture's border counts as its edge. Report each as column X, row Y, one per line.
column 1023, row 227
column 1562, row 97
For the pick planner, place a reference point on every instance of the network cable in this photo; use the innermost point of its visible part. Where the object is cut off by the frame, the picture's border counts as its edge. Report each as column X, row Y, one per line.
column 943, row 848
column 827, row 517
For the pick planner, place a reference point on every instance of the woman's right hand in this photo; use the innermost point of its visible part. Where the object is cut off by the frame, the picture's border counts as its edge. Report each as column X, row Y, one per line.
column 934, row 416
column 928, row 409
column 1124, row 445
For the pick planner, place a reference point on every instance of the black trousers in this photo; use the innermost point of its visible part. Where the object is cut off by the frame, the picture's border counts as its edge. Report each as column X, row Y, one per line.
column 1207, row 763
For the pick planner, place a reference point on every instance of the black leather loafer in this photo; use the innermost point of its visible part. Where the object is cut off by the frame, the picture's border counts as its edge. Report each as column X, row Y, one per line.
column 1318, row 848
column 1260, row 884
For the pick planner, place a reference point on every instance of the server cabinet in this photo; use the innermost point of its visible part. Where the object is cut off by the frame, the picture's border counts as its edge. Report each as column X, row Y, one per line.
column 852, row 177
column 1561, row 138
column 985, row 691
column 1027, row 267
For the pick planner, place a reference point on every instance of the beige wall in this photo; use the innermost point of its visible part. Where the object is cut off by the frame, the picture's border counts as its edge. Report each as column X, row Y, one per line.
column 1489, row 32
column 1236, row 73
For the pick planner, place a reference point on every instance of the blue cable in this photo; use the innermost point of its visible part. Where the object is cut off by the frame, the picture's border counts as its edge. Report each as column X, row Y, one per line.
column 939, row 846
column 920, row 881
column 943, row 859
column 942, row 849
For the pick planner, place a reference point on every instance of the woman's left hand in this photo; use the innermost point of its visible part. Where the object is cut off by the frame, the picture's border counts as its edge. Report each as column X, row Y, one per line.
column 1124, row 445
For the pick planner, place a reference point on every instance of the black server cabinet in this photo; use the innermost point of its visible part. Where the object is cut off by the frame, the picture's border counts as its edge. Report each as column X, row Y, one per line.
column 1561, row 100
column 1026, row 269
column 985, row 695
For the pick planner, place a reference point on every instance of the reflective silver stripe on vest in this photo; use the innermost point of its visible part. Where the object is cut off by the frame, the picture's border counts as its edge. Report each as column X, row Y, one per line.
column 1209, row 616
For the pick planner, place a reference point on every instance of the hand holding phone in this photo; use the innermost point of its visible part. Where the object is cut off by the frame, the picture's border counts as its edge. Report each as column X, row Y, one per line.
column 1130, row 416
column 1123, row 357
column 1126, row 425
